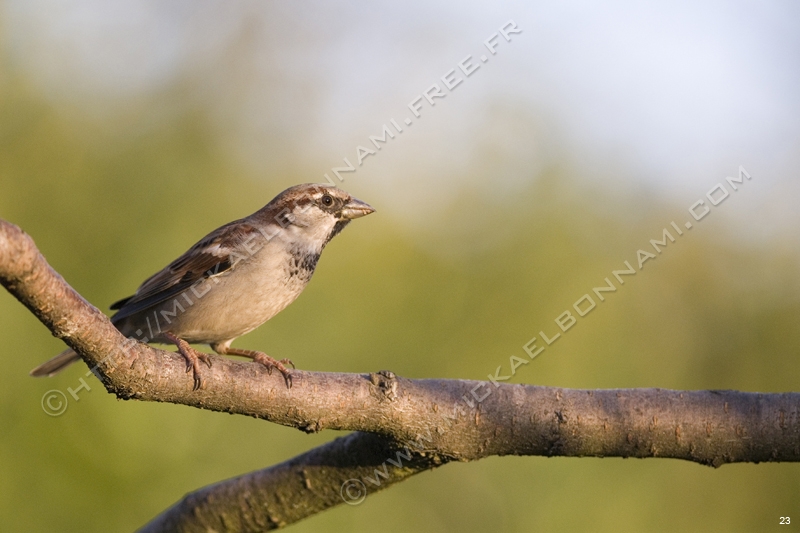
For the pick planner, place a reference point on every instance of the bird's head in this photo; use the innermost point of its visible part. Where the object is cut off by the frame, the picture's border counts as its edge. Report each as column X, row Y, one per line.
column 314, row 212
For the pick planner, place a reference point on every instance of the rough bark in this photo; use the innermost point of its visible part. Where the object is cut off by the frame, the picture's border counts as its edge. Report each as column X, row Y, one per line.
column 345, row 470
column 426, row 422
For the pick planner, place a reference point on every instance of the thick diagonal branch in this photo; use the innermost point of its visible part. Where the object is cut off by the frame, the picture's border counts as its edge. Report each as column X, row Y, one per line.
column 439, row 420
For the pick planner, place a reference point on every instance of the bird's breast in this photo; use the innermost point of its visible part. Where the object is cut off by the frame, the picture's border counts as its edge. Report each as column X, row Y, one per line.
column 253, row 291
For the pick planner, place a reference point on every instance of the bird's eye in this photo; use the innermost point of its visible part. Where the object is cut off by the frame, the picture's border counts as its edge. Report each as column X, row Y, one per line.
column 327, row 200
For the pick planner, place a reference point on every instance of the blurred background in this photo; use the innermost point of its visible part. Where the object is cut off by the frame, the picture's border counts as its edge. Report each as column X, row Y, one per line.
column 130, row 129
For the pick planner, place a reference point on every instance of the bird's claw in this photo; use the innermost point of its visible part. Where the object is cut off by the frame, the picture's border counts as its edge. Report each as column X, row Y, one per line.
column 271, row 363
column 193, row 358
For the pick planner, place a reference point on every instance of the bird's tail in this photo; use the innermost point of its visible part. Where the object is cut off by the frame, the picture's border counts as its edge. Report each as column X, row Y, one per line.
column 56, row 364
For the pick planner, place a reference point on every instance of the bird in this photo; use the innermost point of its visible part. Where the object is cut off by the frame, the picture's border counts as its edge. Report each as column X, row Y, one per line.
column 233, row 280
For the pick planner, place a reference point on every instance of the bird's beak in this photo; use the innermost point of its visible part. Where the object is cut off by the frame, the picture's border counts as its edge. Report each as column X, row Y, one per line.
column 355, row 208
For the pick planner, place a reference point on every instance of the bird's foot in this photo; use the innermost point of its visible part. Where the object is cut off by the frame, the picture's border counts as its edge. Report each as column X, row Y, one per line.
column 193, row 358
column 270, row 363
column 258, row 357
column 261, row 358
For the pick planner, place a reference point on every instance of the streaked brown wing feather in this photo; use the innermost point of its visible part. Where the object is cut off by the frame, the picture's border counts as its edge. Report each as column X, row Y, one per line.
column 208, row 257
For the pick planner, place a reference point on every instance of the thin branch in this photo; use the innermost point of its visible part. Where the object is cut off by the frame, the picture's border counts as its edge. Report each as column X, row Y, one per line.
column 344, row 470
column 437, row 420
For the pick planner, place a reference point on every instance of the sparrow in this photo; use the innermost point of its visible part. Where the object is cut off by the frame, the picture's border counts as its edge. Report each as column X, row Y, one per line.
column 233, row 280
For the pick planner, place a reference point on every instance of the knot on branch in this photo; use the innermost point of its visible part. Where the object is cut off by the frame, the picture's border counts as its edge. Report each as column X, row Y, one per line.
column 383, row 385
column 313, row 426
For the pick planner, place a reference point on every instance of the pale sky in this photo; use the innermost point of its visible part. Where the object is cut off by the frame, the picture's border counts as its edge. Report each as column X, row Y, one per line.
column 673, row 95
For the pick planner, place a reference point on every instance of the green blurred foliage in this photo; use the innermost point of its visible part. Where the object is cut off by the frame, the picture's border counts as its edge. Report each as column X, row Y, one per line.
column 108, row 209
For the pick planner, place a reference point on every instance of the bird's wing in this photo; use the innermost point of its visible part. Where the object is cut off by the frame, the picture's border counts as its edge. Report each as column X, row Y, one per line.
column 217, row 252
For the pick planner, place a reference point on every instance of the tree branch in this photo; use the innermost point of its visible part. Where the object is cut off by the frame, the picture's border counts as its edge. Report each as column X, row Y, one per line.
column 343, row 470
column 429, row 421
